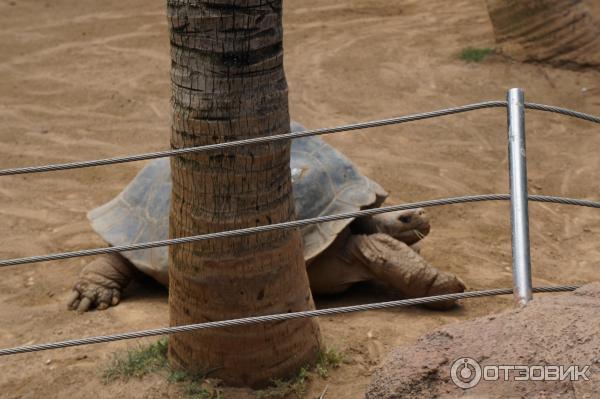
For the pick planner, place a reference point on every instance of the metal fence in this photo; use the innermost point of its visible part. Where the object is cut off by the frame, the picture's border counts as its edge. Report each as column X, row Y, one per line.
column 518, row 196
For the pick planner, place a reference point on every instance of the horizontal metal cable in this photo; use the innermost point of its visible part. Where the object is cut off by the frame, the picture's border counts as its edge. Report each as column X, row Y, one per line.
column 289, row 136
column 258, row 140
column 275, row 317
column 296, row 223
column 563, row 111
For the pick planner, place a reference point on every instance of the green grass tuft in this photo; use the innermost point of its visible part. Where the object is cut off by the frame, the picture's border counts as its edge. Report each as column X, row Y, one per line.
column 141, row 361
column 153, row 358
column 176, row 376
column 471, row 54
column 195, row 390
column 328, row 359
column 280, row 389
column 137, row 362
column 296, row 387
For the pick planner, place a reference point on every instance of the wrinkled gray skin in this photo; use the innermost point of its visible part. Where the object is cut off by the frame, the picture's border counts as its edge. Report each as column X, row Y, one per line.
column 338, row 253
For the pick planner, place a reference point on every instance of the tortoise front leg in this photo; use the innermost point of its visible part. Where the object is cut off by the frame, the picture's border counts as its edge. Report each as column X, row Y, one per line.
column 101, row 282
column 395, row 263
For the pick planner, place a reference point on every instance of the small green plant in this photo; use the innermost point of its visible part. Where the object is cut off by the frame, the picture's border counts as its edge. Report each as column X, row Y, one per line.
column 176, row 376
column 284, row 388
column 472, row 54
column 153, row 358
column 296, row 386
column 195, row 390
column 137, row 362
column 328, row 359
column 144, row 360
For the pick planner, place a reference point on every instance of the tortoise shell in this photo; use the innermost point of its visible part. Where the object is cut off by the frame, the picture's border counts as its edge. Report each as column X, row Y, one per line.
column 325, row 182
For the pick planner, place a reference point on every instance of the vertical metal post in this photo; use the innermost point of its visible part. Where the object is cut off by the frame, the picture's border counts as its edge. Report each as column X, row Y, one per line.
column 518, row 196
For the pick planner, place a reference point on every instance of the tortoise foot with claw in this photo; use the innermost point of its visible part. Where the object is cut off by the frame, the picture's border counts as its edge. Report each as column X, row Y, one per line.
column 101, row 283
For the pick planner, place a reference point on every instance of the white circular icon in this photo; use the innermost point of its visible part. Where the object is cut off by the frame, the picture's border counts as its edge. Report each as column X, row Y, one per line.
column 465, row 372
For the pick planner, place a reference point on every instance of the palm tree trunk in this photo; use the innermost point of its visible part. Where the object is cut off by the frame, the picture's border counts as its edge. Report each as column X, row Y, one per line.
column 228, row 84
column 559, row 32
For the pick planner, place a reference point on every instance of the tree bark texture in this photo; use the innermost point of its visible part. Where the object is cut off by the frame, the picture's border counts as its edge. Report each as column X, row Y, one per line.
column 558, row 32
column 228, row 84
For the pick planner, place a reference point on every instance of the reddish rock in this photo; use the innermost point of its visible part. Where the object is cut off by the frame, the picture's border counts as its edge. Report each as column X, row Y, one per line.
column 554, row 329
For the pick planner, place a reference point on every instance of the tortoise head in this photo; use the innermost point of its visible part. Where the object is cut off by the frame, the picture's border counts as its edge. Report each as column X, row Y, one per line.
column 408, row 226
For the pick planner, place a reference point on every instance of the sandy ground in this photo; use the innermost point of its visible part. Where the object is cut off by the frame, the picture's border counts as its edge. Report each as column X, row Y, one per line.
column 87, row 79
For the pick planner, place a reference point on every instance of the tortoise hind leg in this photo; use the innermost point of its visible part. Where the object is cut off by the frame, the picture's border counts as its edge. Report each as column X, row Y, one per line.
column 101, row 282
column 396, row 264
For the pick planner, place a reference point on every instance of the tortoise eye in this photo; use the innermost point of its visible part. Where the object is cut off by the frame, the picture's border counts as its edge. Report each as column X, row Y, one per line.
column 405, row 218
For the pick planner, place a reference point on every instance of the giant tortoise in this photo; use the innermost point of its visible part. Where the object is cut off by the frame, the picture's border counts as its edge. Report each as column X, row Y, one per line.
column 338, row 253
